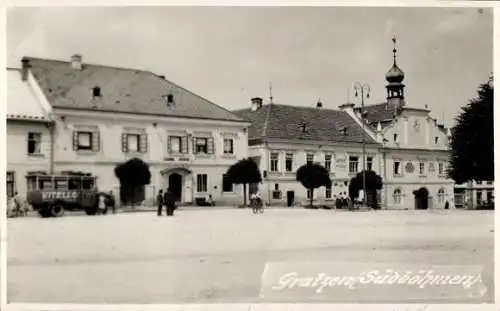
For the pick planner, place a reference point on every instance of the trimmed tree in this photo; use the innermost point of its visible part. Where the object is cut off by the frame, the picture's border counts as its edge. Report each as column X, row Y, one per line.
column 313, row 176
column 133, row 175
column 373, row 182
column 472, row 141
column 245, row 171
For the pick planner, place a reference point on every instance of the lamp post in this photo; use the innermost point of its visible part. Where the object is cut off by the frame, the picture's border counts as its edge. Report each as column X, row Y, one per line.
column 363, row 90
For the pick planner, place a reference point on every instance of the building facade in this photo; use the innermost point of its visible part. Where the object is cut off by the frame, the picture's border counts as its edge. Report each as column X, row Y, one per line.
column 104, row 116
column 282, row 138
column 29, row 131
column 414, row 149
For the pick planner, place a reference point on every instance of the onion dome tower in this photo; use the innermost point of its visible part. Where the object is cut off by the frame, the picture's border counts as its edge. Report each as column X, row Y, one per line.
column 395, row 86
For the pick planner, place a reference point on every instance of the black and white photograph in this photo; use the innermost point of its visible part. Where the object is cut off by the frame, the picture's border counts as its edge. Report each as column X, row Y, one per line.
column 249, row 155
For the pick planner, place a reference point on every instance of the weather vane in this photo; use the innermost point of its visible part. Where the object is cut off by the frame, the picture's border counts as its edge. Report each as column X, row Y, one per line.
column 394, row 50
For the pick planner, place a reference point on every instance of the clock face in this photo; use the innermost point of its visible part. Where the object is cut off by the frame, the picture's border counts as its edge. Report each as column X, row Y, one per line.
column 416, row 125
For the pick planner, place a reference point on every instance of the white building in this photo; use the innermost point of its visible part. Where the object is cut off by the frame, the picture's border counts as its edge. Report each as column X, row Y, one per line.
column 29, row 130
column 104, row 116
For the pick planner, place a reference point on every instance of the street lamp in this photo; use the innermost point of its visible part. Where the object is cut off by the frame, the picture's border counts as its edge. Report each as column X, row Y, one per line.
column 363, row 90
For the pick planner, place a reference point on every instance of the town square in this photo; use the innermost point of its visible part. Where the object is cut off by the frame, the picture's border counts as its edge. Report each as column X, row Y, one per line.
column 206, row 154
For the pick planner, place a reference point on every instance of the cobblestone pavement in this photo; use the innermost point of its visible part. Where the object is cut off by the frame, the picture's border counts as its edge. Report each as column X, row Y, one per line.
column 219, row 255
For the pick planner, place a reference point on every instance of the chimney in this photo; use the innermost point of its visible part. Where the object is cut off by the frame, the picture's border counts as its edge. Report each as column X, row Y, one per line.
column 25, row 69
column 319, row 104
column 76, row 62
column 256, row 103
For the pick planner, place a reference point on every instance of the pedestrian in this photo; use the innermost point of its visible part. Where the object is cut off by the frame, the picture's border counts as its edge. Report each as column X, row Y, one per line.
column 18, row 203
column 101, row 205
column 159, row 201
column 112, row 201
column 447, row 205
column 169, row 201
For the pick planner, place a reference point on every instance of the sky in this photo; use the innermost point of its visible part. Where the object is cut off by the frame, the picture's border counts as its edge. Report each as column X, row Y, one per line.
column 231, row 54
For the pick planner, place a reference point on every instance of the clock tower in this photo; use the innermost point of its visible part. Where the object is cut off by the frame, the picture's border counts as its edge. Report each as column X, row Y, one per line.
column 395, row 86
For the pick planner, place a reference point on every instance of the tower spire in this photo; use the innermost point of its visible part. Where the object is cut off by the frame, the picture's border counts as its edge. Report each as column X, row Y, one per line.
column 394, row 49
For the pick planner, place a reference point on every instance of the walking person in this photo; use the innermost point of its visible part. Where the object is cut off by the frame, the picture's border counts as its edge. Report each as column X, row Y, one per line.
column 160, row 201
column 18, row 203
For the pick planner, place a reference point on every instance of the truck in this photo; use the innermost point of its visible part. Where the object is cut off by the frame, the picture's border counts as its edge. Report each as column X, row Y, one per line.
column 52, row 194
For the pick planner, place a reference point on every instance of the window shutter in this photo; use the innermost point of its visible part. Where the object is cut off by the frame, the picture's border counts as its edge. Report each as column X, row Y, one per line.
column 96, row 141
column 210, row 147
column 169, row 142
column 194, row 145
column 124, row 143
column 184, row 144
column 143, row 144
column 75, row 140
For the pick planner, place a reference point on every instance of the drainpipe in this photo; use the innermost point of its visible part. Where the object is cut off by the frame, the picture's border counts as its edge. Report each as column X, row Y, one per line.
column 52, row 147
column 384, row 162
column 267, row 178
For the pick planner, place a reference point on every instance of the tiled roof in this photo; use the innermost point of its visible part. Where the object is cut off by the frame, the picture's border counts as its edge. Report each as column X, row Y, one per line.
column 22, row 104
column 122, row 90
column 382, row 113
column 285, row 122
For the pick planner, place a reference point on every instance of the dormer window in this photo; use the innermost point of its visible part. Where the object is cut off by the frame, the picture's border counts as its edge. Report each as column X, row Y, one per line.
column 395, row 138
column 436, row 140
column 303, row 127
column 96, row 92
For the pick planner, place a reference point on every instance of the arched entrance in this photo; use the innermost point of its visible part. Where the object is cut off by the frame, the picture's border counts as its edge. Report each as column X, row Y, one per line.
column 421, row 198
column 175, row 185
column 179, row 180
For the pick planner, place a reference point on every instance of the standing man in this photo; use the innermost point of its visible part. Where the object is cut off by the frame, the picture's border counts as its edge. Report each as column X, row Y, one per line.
column 169, row 201
column 160, row 201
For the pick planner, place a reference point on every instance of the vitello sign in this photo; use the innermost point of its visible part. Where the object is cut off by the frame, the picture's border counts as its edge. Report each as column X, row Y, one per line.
column 67, row 195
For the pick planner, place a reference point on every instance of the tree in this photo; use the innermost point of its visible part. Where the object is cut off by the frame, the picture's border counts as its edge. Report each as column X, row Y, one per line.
column 245, row 171
column 133, row 175
column 373, row 182
column 313, row 176
column 472, row 147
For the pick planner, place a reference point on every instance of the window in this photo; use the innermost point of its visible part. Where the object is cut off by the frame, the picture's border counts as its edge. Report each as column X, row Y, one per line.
column 396, row 196
column 11, row 184
column 489, row 182
column 397, row 168
column 201, row 145
column 441, row 168
column 133, row 142
column 421, row 168
column 289, row 162
column 227, row 186
column 328, row 162
column 353, row 164
column 175, row 144
column 228, row 146
column 201, row 183
column 84, row 141
column 441, row 195
column 96, row 92
column 309, row 193
column 328, row 193
column 170, row 98
column 274, row 161
column 395, row 138
column 436, row 140
column 34, row 143
column 277, row 192
column 369, row 163
column 309, row 158
column 432, row 168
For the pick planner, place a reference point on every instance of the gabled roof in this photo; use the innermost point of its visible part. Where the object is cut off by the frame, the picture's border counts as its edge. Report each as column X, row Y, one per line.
column 285, row 122
column 22, row 104
column 122, row 90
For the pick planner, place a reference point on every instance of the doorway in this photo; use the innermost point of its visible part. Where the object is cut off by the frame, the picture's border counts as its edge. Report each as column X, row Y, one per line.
column 175, row 185
column 421, row 198
column 290, row 198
